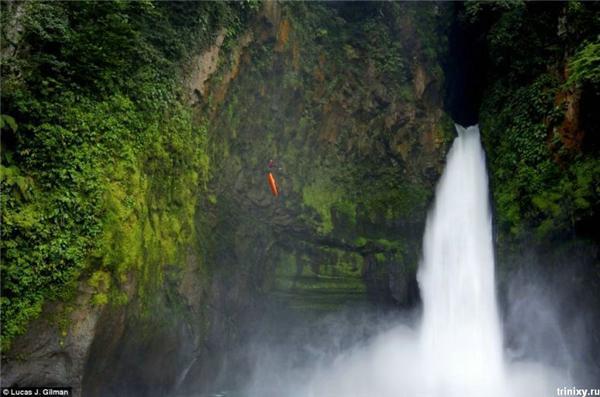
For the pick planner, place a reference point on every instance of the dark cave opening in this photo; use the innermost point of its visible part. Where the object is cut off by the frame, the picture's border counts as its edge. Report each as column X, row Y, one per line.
column 465, row 66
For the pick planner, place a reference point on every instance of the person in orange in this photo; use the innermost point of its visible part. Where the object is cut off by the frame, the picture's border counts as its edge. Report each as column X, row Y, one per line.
column 271, row 179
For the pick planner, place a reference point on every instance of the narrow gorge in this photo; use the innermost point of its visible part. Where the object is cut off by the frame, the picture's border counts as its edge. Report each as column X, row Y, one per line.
column 144, row 254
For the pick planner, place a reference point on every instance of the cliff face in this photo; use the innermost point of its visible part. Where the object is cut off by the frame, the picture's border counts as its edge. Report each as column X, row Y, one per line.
column 357, row 141
column 356, row 149
column 185, row 245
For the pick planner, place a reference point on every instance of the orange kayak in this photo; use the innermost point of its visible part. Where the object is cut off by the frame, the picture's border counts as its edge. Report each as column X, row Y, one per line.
column 272, row 184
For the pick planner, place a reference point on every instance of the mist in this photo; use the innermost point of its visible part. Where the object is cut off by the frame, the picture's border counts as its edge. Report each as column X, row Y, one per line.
column 357, row 352
column 459, row 343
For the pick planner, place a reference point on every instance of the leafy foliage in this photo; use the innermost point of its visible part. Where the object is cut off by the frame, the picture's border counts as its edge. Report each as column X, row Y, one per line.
column 540, row 185
column 102, row 173
column 584, row 67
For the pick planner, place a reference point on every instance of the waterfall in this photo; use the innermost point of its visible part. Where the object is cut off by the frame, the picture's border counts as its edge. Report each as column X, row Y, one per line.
column 456, row 350
column 460, row 337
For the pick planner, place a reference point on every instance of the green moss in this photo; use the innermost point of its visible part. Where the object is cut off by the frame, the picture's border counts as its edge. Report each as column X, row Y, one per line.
column 212, row 198
column 346, row 209
column 322, row 195
column 107, row 179
column 391, row 201
column 396, row 246
column 360, row 241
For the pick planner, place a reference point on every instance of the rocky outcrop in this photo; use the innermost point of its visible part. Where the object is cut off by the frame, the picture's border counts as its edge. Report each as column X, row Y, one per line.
column 55, row 350
column 134, row 353
column 203, row 65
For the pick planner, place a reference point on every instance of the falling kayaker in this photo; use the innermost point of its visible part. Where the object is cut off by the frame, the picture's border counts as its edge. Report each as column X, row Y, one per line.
column 271, row 179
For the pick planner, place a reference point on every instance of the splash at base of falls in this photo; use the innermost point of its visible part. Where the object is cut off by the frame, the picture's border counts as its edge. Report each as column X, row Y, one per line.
column 393, row 365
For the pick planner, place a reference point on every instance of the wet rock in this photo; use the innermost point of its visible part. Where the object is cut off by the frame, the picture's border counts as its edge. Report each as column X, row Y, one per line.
column 54, row 350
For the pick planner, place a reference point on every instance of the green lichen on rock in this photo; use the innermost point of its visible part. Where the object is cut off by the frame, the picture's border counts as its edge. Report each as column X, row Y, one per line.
column 324, row 196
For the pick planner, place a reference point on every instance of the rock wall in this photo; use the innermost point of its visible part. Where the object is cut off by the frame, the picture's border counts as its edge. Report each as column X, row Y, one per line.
column 56, row 349
column 345, row 98
column 357, row 142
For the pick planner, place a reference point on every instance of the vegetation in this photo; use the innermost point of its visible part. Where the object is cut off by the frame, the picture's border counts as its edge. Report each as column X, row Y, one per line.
column 584, row 66
column 110, row 186
column 545, row 173
column 101, row 162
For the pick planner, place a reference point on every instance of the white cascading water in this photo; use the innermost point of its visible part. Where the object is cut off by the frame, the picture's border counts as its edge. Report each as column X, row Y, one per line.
column 461, row 338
